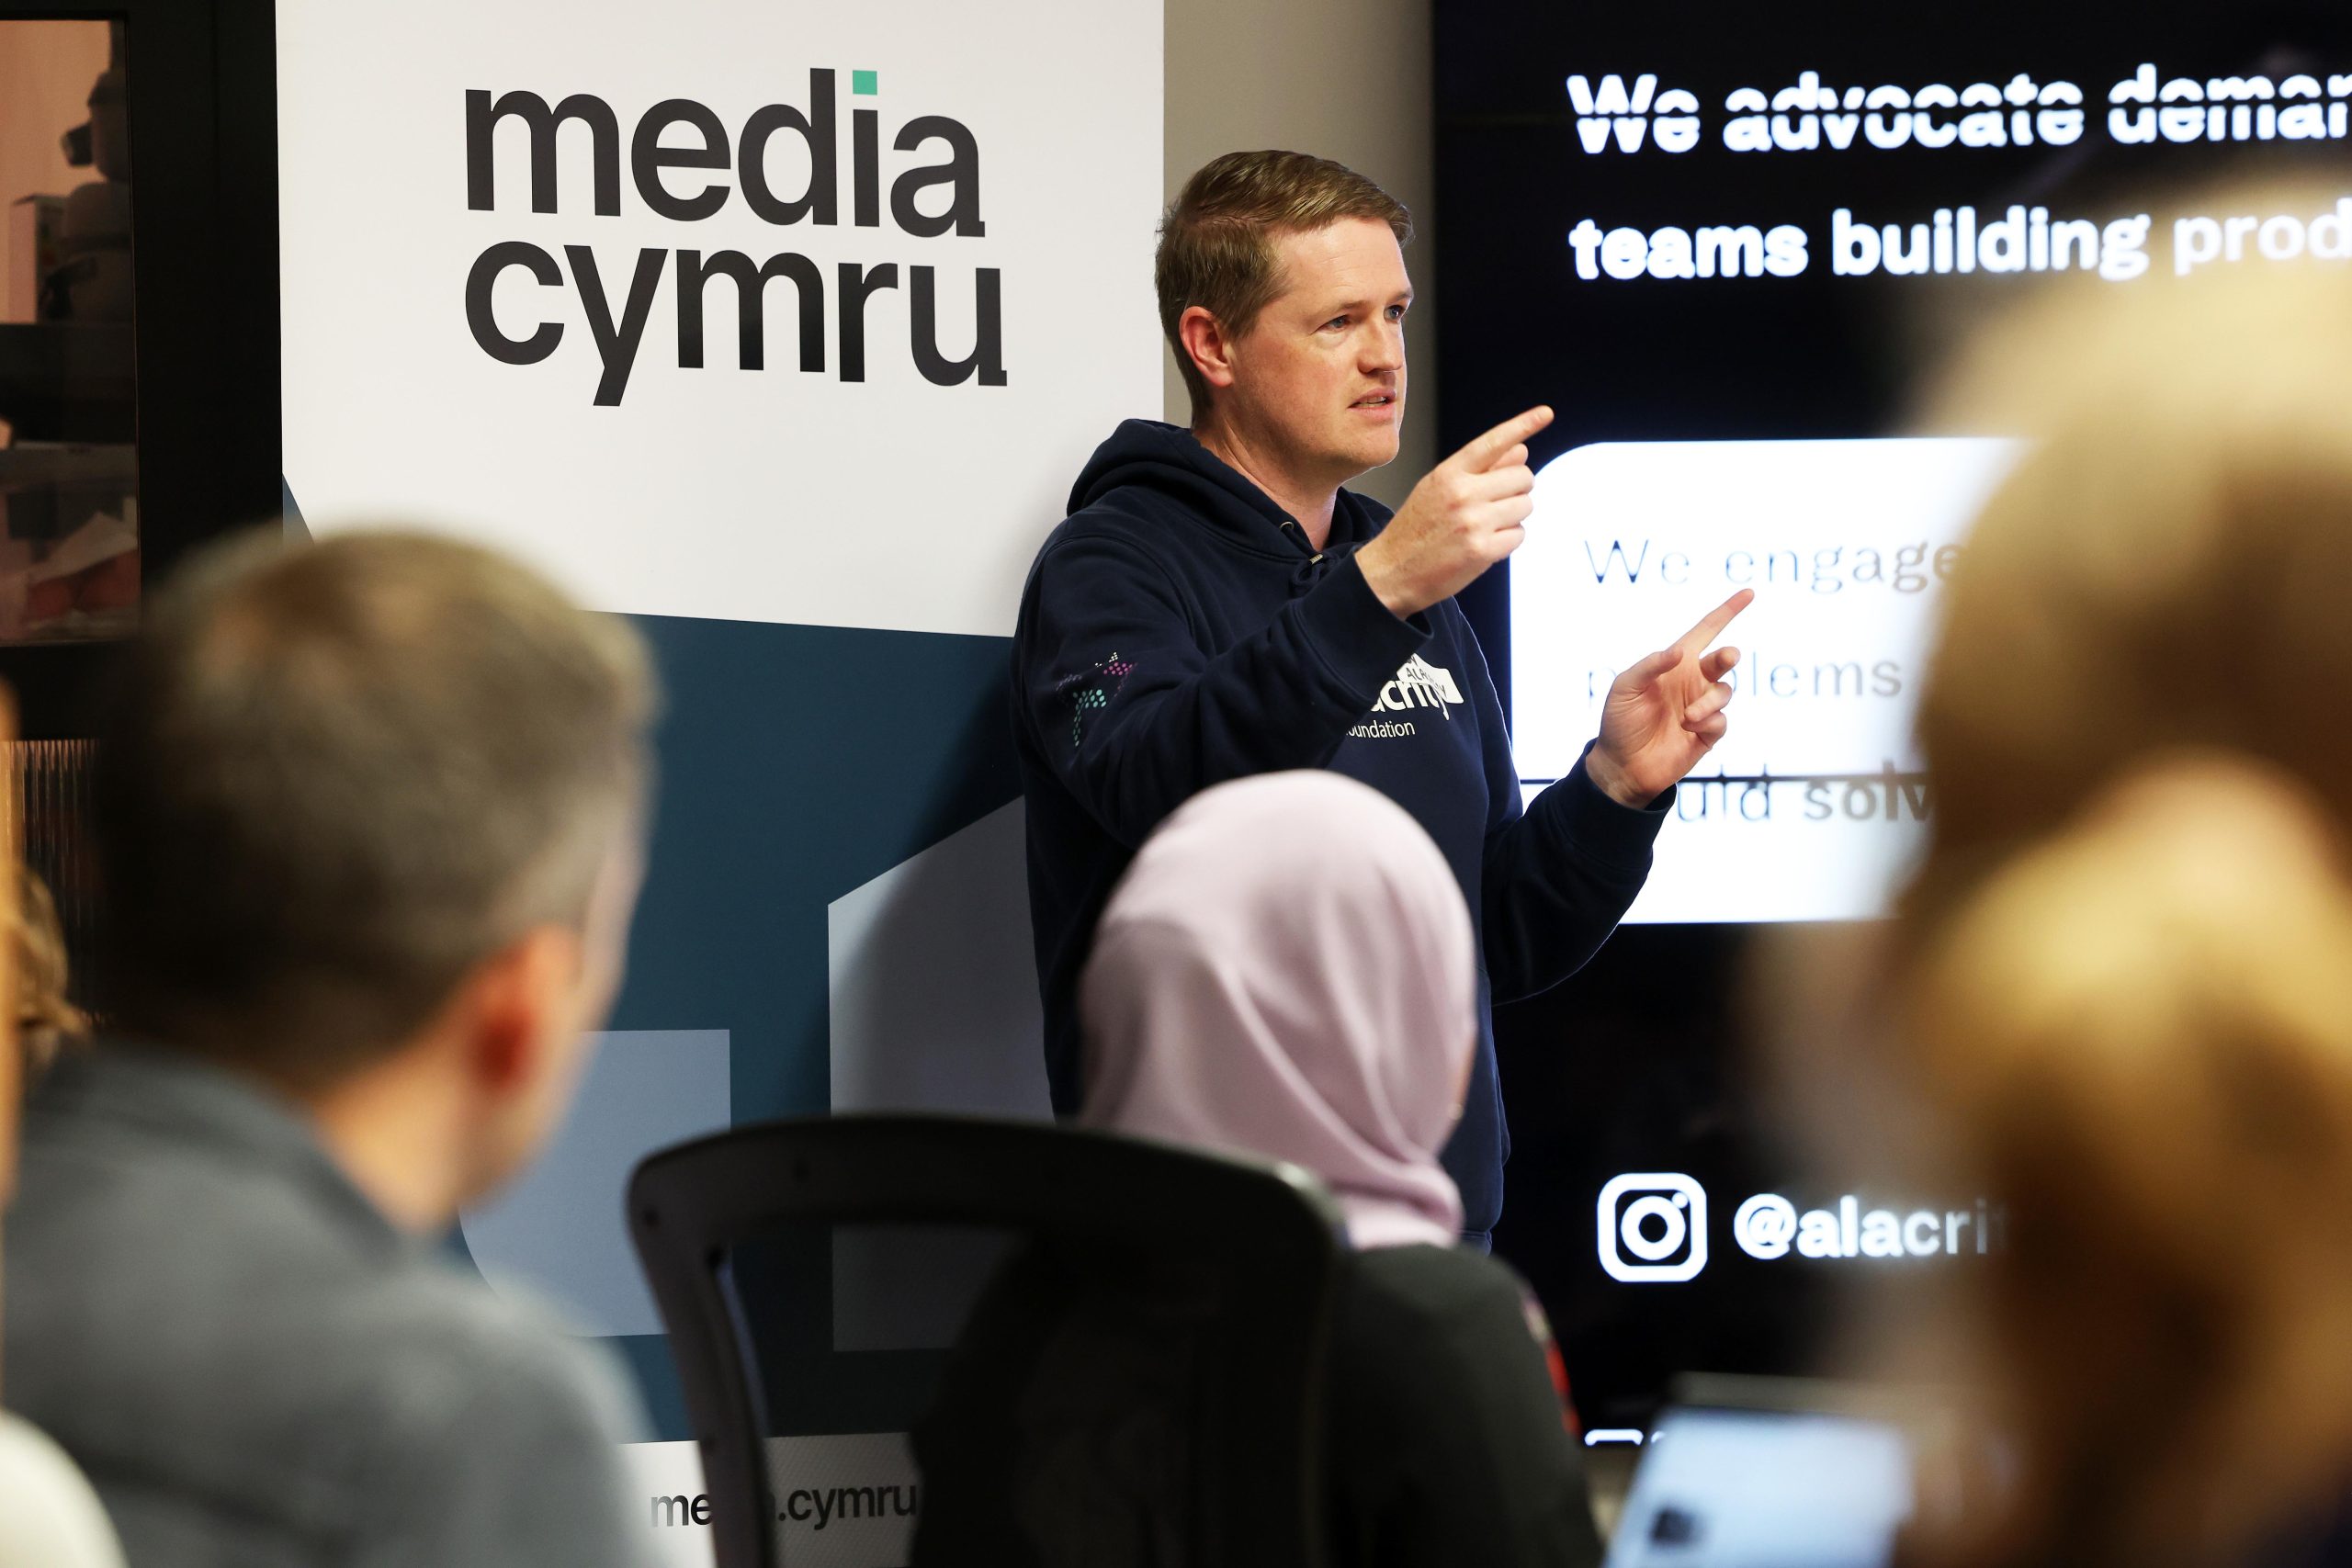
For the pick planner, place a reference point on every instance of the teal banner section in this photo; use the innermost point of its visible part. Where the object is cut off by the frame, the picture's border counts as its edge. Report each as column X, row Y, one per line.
column 796, row 765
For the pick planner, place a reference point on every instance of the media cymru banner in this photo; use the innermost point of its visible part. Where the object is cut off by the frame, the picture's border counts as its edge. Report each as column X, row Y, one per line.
column 781, row 329
column 767, row 312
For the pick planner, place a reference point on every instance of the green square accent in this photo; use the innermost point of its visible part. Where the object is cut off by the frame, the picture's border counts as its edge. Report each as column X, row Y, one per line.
column 865, row 82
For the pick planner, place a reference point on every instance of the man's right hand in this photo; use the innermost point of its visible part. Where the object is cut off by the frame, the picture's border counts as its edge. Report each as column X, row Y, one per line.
column 1464, row 515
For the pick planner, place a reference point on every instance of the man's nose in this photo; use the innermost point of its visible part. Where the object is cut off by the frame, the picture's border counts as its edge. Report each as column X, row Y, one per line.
column 1385, row 348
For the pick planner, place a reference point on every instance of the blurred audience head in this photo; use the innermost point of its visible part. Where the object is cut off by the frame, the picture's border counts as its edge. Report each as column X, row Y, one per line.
column 1287, row 971
column 2120, row 996
column 33, row 978
column 2169, row 564
column 2138, row 1033
column 47, row 1020
column 33, row 971
column 369, row 818
column 15, row 1067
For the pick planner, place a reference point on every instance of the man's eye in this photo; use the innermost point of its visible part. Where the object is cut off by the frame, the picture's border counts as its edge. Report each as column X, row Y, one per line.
column 1337, row 322
column 1395, row 313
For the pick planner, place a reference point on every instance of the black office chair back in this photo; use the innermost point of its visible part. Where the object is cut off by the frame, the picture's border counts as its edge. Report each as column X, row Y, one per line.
column 1262, row 1243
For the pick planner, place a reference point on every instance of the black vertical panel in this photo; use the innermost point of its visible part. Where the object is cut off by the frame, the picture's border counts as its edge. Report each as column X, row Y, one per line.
column 243, row 356
column 203, row 127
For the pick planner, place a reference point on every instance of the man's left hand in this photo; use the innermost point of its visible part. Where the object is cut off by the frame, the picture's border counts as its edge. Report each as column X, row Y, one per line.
column 1665, row 712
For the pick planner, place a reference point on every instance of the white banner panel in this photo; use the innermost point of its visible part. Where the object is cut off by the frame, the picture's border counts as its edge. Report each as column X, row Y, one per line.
column 513, row 234
column 1813, row 806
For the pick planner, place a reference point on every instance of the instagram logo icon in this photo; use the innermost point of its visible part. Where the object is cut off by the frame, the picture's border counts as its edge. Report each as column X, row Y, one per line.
column 1653, row 1228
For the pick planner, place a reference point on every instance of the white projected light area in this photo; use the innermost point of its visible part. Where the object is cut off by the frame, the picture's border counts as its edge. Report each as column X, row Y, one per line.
column 1813, row 807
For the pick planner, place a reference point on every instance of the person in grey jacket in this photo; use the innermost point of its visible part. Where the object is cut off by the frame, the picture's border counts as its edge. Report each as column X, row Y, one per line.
column 370, row 822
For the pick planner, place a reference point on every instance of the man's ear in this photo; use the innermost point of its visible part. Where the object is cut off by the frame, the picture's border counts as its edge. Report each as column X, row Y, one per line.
column 1208, row 343
column 519, row 1000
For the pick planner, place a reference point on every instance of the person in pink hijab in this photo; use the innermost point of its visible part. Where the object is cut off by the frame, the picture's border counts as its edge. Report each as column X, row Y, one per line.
column 1287, row 972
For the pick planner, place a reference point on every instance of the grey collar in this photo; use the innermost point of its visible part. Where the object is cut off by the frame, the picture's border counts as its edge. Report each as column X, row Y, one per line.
column 151, row 1093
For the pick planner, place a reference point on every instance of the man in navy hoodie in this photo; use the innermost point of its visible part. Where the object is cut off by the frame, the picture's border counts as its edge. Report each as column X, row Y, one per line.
column 1216, row 605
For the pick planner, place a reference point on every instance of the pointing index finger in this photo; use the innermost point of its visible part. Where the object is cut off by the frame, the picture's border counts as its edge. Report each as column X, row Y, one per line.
column 1481, row 452
column 1712, row 626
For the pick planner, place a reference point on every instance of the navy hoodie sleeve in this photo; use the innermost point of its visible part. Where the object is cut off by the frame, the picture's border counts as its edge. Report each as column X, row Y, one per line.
column 1560, row 876
column 1136, row 719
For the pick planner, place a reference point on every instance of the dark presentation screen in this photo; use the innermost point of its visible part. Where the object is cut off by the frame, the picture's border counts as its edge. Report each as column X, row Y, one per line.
column 1724, row 241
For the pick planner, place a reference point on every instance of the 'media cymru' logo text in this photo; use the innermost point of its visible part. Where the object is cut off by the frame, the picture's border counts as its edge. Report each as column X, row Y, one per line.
column 735, row 192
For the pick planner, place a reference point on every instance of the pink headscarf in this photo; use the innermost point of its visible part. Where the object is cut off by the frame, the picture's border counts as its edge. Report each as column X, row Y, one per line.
column 1287, row 971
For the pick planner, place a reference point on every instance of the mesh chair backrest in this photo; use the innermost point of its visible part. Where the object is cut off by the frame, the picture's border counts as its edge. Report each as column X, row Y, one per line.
column 1259, row 1243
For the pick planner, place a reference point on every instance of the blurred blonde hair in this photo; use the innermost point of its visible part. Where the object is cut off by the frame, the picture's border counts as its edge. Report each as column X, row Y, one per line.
column 2169, row 564
column 2122, row 986
column 47, row 1020
column 2139, row 1033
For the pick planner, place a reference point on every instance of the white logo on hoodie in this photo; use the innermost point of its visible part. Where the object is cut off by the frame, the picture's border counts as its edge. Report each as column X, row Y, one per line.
column 1419, row 684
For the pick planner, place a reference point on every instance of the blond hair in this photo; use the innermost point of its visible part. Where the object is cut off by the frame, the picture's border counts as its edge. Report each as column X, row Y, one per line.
column 2138, row 1035
column 2124, row 1000
column 47, row 1020
column 2170, row 561
column 1216, row 247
